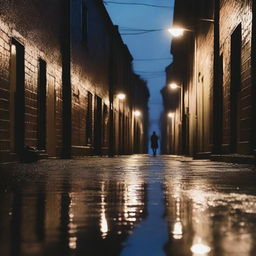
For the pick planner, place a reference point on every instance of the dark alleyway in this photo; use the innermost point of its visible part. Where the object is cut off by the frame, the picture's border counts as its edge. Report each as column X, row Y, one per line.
column 132, row 205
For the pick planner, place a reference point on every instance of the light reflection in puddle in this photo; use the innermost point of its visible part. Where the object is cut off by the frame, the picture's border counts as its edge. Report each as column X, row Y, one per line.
column 205, row 221
column 72, row 226
column 200, row 249
column 103, row 220
column 92, row 212
column 177, row 230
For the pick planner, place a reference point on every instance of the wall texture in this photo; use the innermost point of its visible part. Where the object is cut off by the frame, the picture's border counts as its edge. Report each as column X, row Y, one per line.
column 218, row 55
column 61, row 68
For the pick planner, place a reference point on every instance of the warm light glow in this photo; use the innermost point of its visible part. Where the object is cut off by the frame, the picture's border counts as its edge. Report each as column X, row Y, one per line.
column 171, row 115
column 72, row 243
column 176, row 32
column 177, row 230
column 121, row 96
column 173, row 86
column 137, row 113
column 103, row 220
column 103, row 225
column 200, row 249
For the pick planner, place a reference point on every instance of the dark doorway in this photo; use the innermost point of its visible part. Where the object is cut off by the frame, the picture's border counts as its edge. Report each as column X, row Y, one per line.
column 235, row 87
column 123, row 135
column 136, row 137
column 120, row 135
column 41, row 99
column 98, row 125
column 17, row 97
column 220, row 101
column 105, row 126
column 89, row 120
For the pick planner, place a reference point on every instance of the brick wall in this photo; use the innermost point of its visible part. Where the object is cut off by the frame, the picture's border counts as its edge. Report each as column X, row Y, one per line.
column 232, row 14
column 235, row 79
column 99, row 61
column 30, row 32
column 201, row 89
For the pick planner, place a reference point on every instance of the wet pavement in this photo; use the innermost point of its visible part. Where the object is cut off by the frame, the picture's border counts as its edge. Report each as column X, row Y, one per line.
column 130, row 206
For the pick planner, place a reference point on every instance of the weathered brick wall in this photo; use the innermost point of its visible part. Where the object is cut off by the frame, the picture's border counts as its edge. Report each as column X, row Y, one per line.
column 39, row 32
column 202, row 82
column 4, row 89
column 232, row 14
column 199, row 92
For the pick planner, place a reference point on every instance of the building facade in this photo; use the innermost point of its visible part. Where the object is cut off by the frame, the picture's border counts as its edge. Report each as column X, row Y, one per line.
column 61, row 70
column 214, row 66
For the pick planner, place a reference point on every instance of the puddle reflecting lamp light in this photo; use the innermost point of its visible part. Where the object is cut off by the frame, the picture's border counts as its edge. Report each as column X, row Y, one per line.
column 200, row 249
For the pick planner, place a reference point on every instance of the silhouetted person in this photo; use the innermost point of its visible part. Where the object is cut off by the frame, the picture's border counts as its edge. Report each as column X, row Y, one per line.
column 154, row 142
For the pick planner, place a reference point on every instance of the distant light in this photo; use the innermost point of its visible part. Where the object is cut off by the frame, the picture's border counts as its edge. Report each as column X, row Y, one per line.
column 137, row 113
column 200, row 249
column 121, row 96
column 173, row 86
column 72, row 243
column 176, row 32
column 177, row 230
column 171, row 115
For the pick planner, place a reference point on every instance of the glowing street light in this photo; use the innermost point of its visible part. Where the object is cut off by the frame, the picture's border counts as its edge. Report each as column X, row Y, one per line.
column 176, row 31
column 174, row 86
column 137, row 113
column 121, row 96
column 171, row 115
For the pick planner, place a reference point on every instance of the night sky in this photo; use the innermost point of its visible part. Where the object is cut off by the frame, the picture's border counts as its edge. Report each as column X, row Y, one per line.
column 153, row 45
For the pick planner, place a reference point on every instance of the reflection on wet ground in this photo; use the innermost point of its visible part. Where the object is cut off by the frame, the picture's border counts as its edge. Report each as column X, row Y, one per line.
column 131, row 205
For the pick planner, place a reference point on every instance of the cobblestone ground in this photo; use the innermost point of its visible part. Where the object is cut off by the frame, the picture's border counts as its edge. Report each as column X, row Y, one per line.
column 130, row 206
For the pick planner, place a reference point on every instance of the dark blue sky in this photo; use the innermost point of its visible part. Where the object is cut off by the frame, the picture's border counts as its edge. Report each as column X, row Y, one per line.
column 147, row 46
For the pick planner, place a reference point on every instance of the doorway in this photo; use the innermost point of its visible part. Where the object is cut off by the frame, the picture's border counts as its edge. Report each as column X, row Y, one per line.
column 41, row 99
column 51, row 117
column 17, row 97
column 98, row 125
column 236, row 46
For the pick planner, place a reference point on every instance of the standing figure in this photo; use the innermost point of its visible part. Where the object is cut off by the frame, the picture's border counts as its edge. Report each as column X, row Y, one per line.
column 154, row 142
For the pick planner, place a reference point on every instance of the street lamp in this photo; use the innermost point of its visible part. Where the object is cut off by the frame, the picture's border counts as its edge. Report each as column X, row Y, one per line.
column 176, row 31
column 179, row 31
column 171, row 115
column 137, row 113
column 121, row 96
column 174, row 86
